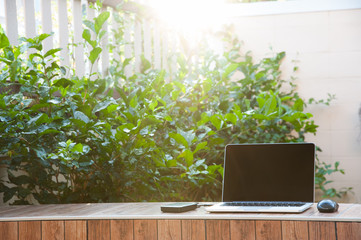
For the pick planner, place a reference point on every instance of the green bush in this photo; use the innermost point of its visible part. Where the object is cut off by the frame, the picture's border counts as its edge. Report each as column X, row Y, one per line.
column 67, row 139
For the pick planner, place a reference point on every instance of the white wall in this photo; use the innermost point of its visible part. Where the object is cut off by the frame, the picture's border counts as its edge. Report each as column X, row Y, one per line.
column 327, row 47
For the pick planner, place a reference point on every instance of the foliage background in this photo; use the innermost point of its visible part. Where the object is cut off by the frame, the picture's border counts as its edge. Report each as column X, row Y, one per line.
column 154, row 136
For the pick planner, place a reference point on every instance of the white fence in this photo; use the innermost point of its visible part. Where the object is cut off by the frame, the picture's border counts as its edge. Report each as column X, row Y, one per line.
column 65, row 19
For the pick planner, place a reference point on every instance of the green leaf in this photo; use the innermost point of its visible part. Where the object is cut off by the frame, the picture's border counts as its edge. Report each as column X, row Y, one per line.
column 87, row 37
column 39, row 119
column 100, row 20
column 4, row 41
column 216, row 121
column 94, row 54
column 102, row 105
column 90, row 25
column 231, row 68
column 231, row 118
column 153, row 104
column 63, row 82
column 200, row 146
column 77, row 148
column 81, row 116
column 179, row 139
column 51, row 52
column 134, row 102
column 298, row 106
column 188, row 157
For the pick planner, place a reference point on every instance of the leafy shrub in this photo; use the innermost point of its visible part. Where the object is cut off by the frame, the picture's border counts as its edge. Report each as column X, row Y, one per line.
column 67, row 139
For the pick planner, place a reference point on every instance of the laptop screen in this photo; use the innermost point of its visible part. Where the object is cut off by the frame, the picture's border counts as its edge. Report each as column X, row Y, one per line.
column 269, row 172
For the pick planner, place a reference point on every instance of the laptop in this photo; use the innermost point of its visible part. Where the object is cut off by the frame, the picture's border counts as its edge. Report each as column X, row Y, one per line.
column 269, row 177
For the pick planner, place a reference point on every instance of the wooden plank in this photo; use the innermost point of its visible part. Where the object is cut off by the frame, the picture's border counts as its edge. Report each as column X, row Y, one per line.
column 121, row 229
column 30, row 230
column 78, row 31
column 157, row 45
column 145, row 229
column 137, row 46
column 52, row 230
column 294, row 230
column 348, row 230
column 9, row 230
column 128, row 45
column 30, row 25
column 243, row 229
column 217, row 229
column 169, row 229
column 165, row 50
column 193, row 230
column 46, row 24
column 115, row 26
column 147, row 40
column 322, row 230
column 63, row 32
column 98, row 229
column 11, row 21
column 268, row 230
column 76, row 230
column 105, row 51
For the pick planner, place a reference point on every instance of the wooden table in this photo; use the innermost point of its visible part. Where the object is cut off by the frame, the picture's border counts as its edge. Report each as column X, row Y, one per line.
column 146, row 221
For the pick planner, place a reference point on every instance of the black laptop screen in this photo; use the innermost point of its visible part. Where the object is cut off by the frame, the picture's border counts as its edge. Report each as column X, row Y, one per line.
column 269, row 172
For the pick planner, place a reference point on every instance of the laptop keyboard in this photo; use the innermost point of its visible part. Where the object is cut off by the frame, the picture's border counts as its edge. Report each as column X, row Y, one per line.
column 264, row 204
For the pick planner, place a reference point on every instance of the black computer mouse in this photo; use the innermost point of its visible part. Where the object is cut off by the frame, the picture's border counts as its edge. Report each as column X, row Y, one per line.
column 327, row 206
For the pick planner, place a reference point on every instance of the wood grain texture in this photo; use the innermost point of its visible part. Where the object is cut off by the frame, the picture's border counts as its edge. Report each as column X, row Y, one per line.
column 243, row 230
column 145, row 229
column 99, row 230
column 169, row 229
column 8, row 231
column 75, row 230
column 193, row 230
column 52, row 230
column 268, row 230
column 218, row 229
column 121, row 229
column 348, row 231
column 30, row 230
column 322, row 230
column 295, row 230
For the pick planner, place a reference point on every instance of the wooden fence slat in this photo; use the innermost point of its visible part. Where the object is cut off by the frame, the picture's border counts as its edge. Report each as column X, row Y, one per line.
column 128, row 46
column 294, row 230
column 8, row 231
column 105, row 51
column 268, row 230
column 346, row 230
column 52, row 230
column 218, row 229
column 78, row 31
column 63, row 32
column 29, row 8
column 145, row 229
column 157, row 46
column 46, row 23
column 98, row 229
column 193, row 230
column 242, row 229
column 137, row 45
column 30, row 230
column 11, row 21
column 121, row 229
column 165, row 42
column 115, row 26
column 169, row 229
column 147, row 40
column 322, row 230
column 76, row 230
